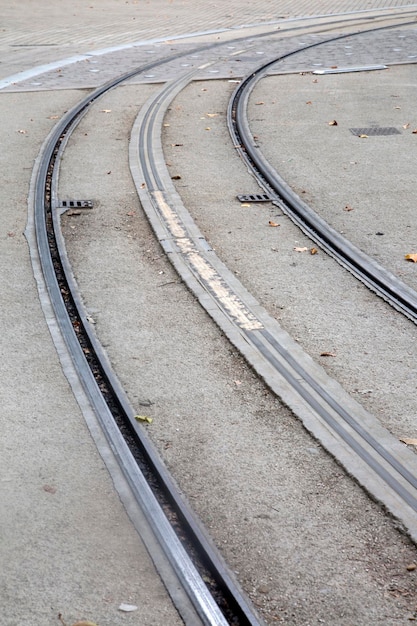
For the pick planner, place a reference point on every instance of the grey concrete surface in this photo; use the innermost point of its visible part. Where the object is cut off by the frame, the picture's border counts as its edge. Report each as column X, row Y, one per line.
column 67, row 545
column 308, row 546
column 261, row 485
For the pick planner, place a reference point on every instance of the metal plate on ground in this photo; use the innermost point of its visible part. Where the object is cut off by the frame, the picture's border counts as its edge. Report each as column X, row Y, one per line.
column 254, row 197
column 374, row 131
column 75, row 204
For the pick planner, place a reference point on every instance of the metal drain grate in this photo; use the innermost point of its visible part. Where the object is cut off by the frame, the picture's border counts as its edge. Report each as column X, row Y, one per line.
column 254, row 197
column 76, row 204
column 375, row 131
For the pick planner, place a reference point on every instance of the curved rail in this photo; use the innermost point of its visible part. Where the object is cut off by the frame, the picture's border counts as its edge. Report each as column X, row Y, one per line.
column 233, row 308
column 379, row 462
column 372, row 274
column 89, row 359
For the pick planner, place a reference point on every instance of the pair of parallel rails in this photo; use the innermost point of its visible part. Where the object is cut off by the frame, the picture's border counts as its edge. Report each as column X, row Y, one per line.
column 387, row 470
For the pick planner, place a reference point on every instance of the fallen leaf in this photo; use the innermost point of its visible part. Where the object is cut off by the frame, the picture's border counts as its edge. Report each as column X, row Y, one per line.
column 333, row 123
column 314, row 251
column 405, row 126
column 411, row 257
column 106, row 110
column 212, row 114
column 258, row 103
column 130, row 213
column 143, row 186
column 167, row 125
column 411, row 567
column 363, row 136
column 409, row 442
column 301, row 249
column 143, row 418
column 397, row 107
column 348, row 208
column 414, row 131
column 84, row 623
column 109, row 172
column 315, row 80
column 333, row 67
column 245, row 204
column 208, row 128
column 176, row 177
column 309, row 102
column 327, row 354
column 176, row 145
column 128, row 608
column 273, row 224
column 11, row 234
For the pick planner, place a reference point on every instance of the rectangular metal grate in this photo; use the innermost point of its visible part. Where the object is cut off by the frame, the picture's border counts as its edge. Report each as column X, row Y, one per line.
column 254, row 197
column 375, row 131
column 76, row 204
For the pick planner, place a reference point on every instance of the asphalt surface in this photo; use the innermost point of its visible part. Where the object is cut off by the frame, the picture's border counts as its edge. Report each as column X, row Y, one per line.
column 305, row 541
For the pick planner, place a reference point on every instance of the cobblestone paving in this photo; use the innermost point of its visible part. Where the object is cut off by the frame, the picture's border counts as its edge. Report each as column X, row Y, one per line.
column 398, row 45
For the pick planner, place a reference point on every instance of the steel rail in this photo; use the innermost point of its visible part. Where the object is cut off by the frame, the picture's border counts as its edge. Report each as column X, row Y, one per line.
column 44, row 204
column 236, row 607
column 385, row 284
column 386, row 469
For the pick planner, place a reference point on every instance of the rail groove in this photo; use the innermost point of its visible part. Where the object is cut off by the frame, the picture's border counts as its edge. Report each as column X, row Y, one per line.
column 369, row 452
column 385, row 284
column 272, row 353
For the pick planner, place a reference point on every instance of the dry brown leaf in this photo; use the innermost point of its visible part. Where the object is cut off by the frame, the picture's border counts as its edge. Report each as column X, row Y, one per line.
column 411, row 257
column 327, row 354
column 409, row 442
column 333, row 123
column 300, row 249
column 314, row 251
column 414, row 131
column 309, row 102
column 348, row 208
column 176, row 177
column 273, row 224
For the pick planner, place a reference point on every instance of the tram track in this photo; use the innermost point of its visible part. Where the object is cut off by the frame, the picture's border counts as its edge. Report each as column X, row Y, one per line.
column 234, row 310
column 367, row 270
